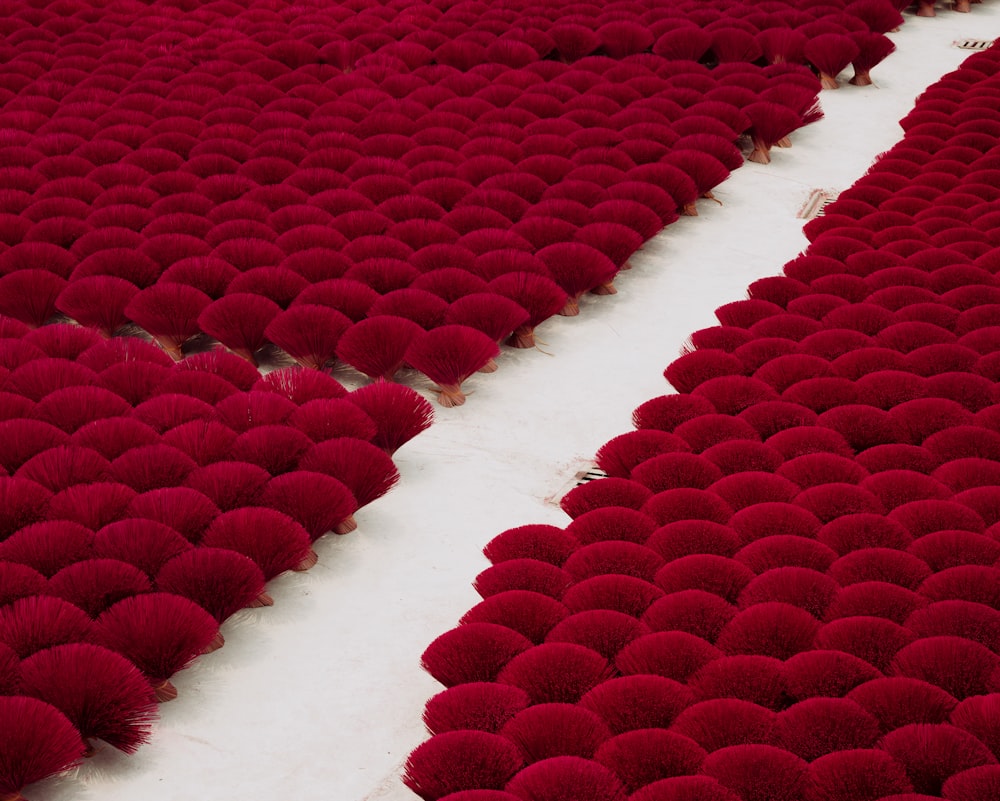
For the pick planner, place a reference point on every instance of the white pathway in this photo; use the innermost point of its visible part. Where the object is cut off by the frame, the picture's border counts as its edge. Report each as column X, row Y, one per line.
column 320, row 696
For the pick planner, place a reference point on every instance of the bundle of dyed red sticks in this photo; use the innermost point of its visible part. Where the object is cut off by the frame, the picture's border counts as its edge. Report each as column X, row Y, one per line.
column 788, row 588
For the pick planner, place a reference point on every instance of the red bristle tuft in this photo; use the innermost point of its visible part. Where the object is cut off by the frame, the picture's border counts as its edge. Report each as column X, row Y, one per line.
column 960, row 667
column 150, row 467
column 243, row 411
column 145, row 544
column 873, row 639
column 555, row 672
column 856, row 775
column 447, row 282
column 667, row 412
column 479, row 706
column 425, row 308
column 95, row 584
column 493, row 314
column 637, row 702
column 276, row 448
column 798, row 586
column 448, row 355
column 973, row 621
column 879, row 564
column 719, row 723
column 134, row 381
column 602, row 630
column 758, row 772
column 927, row 516
column 774, row 519
column 546, row 543
column 690, row 370
column 715, row 574
column 819, row 726
column 101, row 692
column 109, row 352
column 35, row 623
column 219, row 580
column 674, row 655
column 741, row 490
column 308, row 333
column 377, row 346
column 316, row 501
column 365, row 469
column 91, row 505
column 757, row 679
column 73, row 407
column 299, row 386
column 692, row 537
column 620, row 455
column 327, row 418
column 205, row 441
column 63, row 341
column 873, row 49
column 686, row 504
column 274, row 541
column 169, row 312
column 182, row 509
column 566, row 778
column 471, row 653
column 538, row 295
column 229, row 485
column 625, row 594
column 63, row 466
column 398, row 412
column 643, row 756
column 30, row 295
column 19, row 581
column 47, row 546
column 549, row 730
column 163, row 412
column 973, row 784
column 877, row 599
column 98, row 302
column 605, row 492
column 685, row 42
column 770, row 123
column 529, row 613
column 732, row 394
column 684, row 788
column 40, row 377
column 159, row 632
column 855, row 532
column 523, row 574
column 613, row 556
column 578, row 268
column 734, row 456
column 829, row 501
column 769, row 629
column 781, row 45
column 238, row 322
column 785, row 550
column 39, row 742
column 978, row 716
column 203, row 273
column 932, row 753
column 278, row 284
column 460, row 760
column 224, row 365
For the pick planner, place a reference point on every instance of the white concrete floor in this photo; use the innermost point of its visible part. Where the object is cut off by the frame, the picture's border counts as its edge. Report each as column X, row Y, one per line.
column 320, row 696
